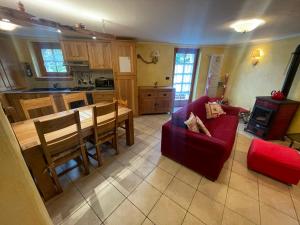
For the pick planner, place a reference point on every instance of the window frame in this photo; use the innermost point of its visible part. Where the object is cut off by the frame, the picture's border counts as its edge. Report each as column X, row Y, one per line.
column 38, row 46
column 187, row 51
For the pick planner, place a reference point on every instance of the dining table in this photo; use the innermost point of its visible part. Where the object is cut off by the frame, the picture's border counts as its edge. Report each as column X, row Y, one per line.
column 30, row 145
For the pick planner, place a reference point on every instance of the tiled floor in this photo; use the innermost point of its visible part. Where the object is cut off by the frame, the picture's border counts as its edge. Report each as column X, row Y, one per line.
column 139, row 186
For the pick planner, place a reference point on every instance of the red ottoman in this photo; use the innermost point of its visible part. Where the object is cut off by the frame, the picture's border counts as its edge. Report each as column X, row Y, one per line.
column 279, row 162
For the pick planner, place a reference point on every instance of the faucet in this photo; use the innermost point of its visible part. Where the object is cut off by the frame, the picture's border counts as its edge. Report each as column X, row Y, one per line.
column 55, row 85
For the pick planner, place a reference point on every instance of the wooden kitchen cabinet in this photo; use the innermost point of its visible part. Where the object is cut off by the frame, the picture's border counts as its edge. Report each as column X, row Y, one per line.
column 103, row 96
column 4, row 83
column 75, row 50
column 11, row 72
column 99, row 55
column 124, row 57
column 156, row 100
column 124, row 65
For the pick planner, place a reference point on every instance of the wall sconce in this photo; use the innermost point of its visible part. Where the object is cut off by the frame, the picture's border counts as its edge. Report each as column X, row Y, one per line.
column 257, row 54
column 154, row 57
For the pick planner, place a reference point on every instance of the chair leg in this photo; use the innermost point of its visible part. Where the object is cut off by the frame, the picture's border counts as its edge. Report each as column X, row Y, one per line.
column 99, row 155
column 115, row 143
column 56, row 180
column 85, row 160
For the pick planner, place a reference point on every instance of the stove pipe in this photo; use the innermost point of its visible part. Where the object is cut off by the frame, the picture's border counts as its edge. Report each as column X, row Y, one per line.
column 292, row 70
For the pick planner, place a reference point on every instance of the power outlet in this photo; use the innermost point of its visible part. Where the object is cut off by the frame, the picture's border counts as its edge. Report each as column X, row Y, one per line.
column 167, row 78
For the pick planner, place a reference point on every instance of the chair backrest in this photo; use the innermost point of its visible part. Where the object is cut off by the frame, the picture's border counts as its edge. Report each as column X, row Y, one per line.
column 74, row 97
column 121, row 102
column 11, row 114
column 105, row 118
column 59, row 134
column 37, row 103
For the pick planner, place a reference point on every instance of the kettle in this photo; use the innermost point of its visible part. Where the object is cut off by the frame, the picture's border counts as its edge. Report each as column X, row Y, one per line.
column 277, row 95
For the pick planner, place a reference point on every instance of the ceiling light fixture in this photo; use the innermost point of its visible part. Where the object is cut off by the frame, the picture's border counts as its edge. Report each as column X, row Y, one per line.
column 94, row 37
column 243, row 26
column 5, row 24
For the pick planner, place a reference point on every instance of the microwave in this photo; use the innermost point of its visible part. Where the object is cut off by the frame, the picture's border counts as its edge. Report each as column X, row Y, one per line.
column 104, row 83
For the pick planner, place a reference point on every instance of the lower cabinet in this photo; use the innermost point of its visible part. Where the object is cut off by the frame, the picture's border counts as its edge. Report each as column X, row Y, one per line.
column 103, row 96
column 156, row 100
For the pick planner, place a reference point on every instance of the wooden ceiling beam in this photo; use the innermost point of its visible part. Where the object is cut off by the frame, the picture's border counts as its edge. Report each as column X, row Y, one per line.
column 25, row 19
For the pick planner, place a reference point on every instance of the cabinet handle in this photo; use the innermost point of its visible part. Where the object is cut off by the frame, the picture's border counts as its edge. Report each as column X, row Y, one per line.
column 165, row 94
column 149, row 95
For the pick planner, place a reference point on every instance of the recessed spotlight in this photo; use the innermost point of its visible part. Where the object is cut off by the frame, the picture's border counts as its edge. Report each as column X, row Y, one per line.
column 94, row 37
column 58, row 31
column 243, row 26
column 5, row 24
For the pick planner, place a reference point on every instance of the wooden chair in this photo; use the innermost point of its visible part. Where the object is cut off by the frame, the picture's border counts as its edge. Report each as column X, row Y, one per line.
column 106, row 129
column 61, row 141
column 37, row 103
column 74, row 97
column 123, row 103
column 11, row 114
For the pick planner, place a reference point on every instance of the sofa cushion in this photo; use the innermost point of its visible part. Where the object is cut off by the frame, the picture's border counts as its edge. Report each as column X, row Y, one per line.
column 191, row 123
column 202, row 127
column 223, row 128
column 213, row 110
column 197, row 107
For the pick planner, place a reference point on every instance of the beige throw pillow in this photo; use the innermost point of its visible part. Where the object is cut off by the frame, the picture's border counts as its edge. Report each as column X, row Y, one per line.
column 202, row 126
column 191, row 123
column 213, row 110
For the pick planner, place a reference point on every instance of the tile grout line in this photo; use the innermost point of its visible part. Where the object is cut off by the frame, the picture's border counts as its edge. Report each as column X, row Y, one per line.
column 294, row 206
column 187, row 211
column 228, row 183
column 259, row 204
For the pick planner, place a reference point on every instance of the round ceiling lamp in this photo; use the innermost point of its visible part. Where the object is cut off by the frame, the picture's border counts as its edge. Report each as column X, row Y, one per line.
column 5, row 24
column 243, row 26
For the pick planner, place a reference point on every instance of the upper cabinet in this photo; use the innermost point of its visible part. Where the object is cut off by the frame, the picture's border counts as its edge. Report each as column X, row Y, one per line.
column 11, row 72
column 75, row 50
column 99, row 55
column 124, row 57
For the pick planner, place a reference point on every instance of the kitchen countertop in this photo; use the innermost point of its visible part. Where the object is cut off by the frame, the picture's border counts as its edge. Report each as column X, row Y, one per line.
column 56, row 90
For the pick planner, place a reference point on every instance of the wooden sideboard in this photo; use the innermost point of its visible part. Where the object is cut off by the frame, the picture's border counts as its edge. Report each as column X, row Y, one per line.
column 156, row 99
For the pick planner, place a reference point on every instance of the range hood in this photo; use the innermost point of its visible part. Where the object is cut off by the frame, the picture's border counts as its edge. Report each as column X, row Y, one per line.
column 77, row 64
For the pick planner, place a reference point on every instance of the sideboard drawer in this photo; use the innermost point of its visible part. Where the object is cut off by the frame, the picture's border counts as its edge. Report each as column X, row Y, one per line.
column 165, row 94
column 156, row 99
column 148, row 94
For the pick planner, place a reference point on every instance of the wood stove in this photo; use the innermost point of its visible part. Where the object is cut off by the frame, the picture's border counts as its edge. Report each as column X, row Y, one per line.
column 271, row 118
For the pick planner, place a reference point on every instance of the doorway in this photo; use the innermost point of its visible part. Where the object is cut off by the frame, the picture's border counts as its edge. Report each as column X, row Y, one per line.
column 184, row 70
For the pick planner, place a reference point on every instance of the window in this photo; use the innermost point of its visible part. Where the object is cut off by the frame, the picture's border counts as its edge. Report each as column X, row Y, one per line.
column 50, row 59
column 53, row 60
column 184, row 72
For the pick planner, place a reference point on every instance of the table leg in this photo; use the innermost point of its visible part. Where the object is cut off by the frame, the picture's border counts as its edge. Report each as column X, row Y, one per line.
column 291, row 144
column 129, row 129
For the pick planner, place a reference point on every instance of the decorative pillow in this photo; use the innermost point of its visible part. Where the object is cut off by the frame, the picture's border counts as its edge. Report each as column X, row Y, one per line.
column 202, row 126
column 191, row 123
column 213, row 110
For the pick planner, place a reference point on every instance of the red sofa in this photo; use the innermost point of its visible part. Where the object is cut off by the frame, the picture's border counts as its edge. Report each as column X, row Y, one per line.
column 203, row 154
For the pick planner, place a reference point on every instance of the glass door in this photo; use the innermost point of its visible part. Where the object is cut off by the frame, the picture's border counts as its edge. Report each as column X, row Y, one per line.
column 185, row 65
